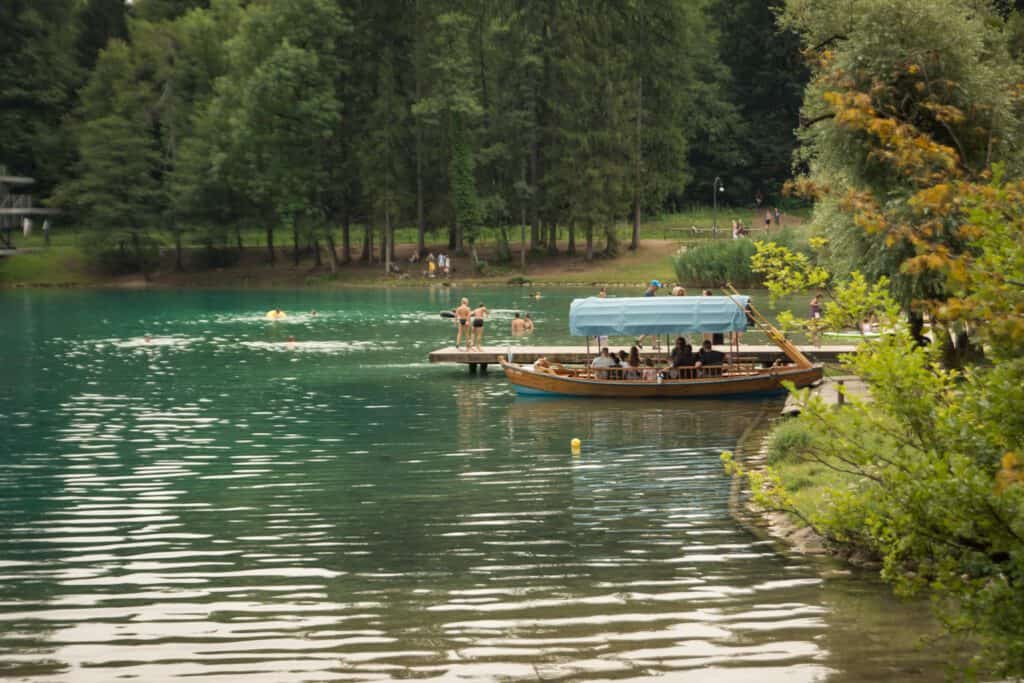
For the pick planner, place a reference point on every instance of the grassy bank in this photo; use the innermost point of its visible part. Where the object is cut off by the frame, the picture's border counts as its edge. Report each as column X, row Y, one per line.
column 63, row 261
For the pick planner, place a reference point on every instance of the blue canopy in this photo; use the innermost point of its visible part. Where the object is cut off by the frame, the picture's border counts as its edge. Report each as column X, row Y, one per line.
column 657, row 315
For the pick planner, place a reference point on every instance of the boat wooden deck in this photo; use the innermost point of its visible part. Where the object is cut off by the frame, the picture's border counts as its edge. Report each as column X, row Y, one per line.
column 578, row 354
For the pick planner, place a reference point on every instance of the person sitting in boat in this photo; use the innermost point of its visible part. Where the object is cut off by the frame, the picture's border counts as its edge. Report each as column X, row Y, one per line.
column 682, row 354
column 633, row 364
column 601, row 364
column 708, row 358
column 542, row 364
column 649, row 373
column 623, row 358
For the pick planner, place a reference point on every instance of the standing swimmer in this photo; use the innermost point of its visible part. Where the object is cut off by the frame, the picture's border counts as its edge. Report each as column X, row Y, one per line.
column 479, row 313
column 462, row 323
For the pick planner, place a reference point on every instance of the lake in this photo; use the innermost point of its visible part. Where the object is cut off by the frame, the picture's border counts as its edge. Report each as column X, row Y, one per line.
column 189, row 490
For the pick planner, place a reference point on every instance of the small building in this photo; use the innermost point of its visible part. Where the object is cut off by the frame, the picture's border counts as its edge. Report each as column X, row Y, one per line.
column 17, row 211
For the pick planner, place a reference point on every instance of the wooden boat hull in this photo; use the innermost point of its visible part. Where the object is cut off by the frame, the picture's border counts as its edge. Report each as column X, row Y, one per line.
column 768, row 381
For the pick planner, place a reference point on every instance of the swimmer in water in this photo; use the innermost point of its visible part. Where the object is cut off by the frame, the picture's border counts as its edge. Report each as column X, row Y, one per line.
column 518, row 325
column 147, row 339
column 536, row 295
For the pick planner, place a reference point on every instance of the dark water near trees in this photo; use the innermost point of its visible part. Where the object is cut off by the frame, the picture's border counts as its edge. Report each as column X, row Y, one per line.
column 224, row 504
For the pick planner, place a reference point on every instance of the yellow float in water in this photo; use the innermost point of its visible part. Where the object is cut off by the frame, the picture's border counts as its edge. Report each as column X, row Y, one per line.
column 276, row 314
column 575, row 446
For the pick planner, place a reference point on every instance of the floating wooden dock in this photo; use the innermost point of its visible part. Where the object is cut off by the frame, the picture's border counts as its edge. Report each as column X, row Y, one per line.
column 833, row 390
column 763, row 353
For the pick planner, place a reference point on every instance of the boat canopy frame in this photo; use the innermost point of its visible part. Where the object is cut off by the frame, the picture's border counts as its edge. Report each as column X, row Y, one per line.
column 633, row 316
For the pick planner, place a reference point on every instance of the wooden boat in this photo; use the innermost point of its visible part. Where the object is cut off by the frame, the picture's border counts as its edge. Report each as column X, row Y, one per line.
column 676, row 315
column 728, row 380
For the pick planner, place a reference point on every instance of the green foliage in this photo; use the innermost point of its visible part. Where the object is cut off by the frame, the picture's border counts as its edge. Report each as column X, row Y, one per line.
column 927, row 476
column 115, row 255
column 790, row 441
column 117, row 189
column 785, row 271
column 38, row 77
column 740, row 262
column 716, row 263
column 749, row 120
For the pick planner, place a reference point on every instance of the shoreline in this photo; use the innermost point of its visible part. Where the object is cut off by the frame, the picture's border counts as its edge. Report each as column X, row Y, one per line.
column 783, row 529
column 780, row 527
column 106, row 285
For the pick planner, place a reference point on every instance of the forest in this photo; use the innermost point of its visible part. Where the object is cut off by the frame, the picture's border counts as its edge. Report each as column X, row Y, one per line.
column 335, row 121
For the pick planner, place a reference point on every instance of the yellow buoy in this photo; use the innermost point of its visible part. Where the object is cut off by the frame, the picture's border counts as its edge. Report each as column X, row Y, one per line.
column 276, row 314
column 575, row 445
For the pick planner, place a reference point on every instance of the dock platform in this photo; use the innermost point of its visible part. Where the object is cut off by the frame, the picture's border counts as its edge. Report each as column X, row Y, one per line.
column 764, row 353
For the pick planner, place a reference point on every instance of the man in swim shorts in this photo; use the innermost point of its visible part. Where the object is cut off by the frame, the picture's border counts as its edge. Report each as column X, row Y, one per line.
column 462, row 324
column 479, row 313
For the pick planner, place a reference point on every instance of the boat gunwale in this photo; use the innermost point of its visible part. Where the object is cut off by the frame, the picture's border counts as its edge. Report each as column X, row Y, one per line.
column 774, row 373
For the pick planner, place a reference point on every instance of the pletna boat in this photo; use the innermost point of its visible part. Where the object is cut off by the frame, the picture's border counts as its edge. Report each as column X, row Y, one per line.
column 673, row 316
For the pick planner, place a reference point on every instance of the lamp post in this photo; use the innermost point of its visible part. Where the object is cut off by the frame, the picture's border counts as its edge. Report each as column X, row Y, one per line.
column 716, row 187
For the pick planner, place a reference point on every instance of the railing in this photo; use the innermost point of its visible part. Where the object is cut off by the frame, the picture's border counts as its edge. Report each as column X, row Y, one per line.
column 649, row 374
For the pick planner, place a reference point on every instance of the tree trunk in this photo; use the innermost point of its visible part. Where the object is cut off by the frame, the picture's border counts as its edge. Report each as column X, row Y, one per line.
column 177, row 251
column 635, row 242
column 534, row 209
column 270, row 245
column 571, row 249
column 504, row 252
column 238, row 239
column 316, row 253
column 421, row 223
column 332, row 255
column 367, row 244
column 522, row 239
column 387, row 248
column 140, row 262
column 553, row 239
column 611, row 244
column 590, row 242
column 346, row 240
column 295, row 244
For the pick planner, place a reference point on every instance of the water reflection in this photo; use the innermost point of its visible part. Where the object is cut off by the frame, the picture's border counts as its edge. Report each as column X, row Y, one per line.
column 226, row 503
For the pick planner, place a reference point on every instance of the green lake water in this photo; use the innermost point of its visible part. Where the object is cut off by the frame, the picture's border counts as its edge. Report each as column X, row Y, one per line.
column 221, row 503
